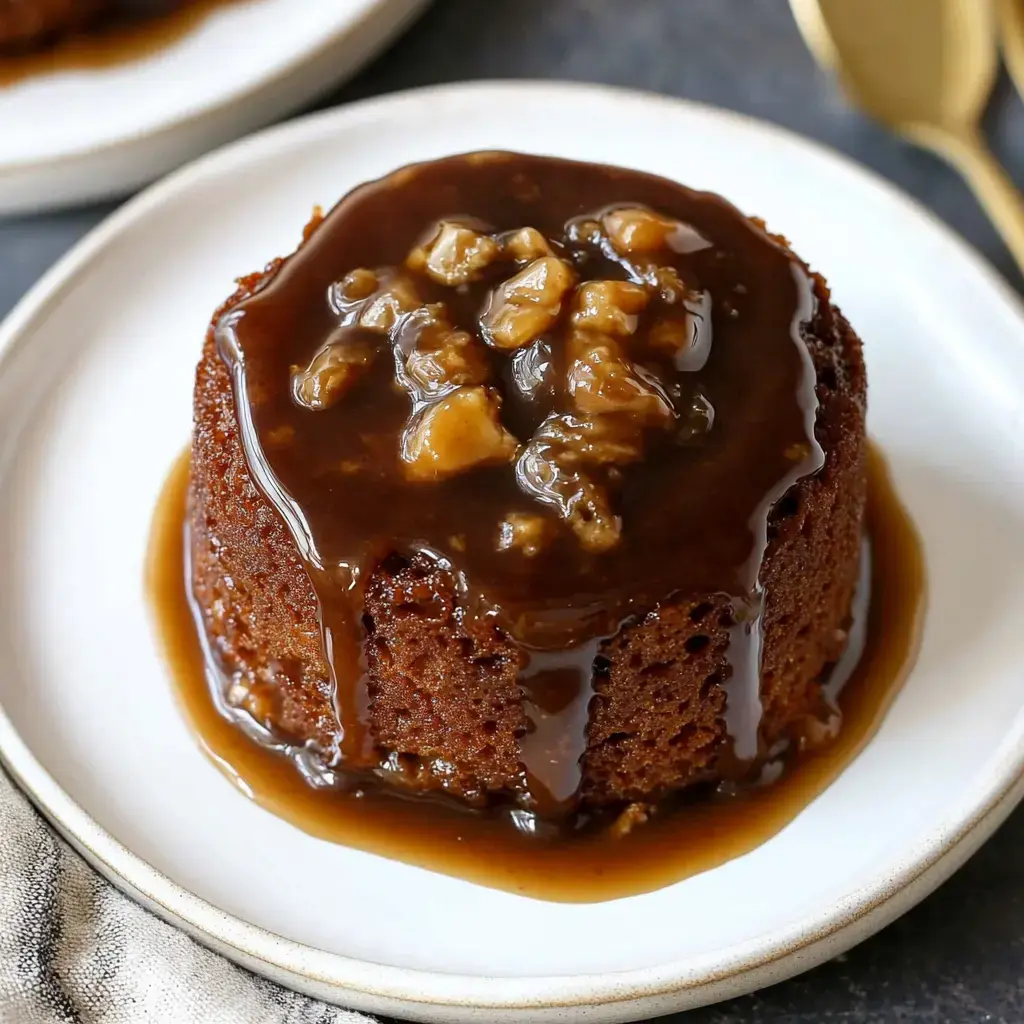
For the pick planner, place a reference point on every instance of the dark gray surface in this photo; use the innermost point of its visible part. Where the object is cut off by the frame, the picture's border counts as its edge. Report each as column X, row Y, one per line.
column 959, row 957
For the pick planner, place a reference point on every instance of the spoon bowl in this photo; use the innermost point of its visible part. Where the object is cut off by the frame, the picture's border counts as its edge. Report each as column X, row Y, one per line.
column 907, row 62
column 924, row 68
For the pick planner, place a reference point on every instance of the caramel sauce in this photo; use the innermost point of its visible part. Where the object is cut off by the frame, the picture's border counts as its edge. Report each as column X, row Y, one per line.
column 694, row 835
column 111, row 43
column 696, row 494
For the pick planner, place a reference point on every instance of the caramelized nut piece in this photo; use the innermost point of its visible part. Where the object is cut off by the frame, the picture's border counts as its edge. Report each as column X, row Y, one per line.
column 574, row 496
column 685, row 337
column 525, row 532
column 514, row 326
column 455, row 255
column 670, row 285
column 670, row 336
column 527, row 304
column 385, row 309
column 332, row 372
column 592, row 520
column 444, row 358
column 544, row 282
column 634, row 814
column 602, row 380
column 602, row 440
column 609, row 306
column 527, row 244
column 456, row 433
column 634, row 229
column 355, row 286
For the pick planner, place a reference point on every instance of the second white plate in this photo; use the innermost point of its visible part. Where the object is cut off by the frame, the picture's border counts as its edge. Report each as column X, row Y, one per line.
column 82, row 134
column 95, row 392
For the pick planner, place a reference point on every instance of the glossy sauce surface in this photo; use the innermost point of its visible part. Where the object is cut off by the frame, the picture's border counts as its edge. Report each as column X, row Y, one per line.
column 113, row 42
column 681, row 840
column 691, row 504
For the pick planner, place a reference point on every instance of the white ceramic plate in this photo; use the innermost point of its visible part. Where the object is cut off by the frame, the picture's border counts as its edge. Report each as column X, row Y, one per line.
column 95, row 392
column 76, row 135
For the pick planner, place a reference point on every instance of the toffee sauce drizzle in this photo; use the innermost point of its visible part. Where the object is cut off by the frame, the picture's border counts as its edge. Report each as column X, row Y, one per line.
column 694, row 511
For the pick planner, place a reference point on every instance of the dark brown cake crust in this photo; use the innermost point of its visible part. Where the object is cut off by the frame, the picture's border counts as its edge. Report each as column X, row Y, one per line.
column 446, row 709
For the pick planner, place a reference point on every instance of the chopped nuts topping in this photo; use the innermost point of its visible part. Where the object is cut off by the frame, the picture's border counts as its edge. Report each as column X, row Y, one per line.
column 685, row 337
column 598, row 441
column 527, row 244
column 333, row 371
column 527, row 533
column 599, row 402
column 549, row 468
column 633, row 815
column 455, row 255
column 512, row 326
column 389, row 305
column 635, row 229
column 354, row 287
column 444, row 358
column 670, row 336
column 609, row 306
column 575, row 497
column 602, row 380
column 670, row 285
column 527, row 304
column 456, row 433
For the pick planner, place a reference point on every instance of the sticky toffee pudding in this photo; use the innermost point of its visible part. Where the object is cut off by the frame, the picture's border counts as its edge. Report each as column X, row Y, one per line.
column 528, row 498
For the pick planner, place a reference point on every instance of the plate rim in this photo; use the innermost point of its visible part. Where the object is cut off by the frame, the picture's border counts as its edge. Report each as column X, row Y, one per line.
column 997, row 786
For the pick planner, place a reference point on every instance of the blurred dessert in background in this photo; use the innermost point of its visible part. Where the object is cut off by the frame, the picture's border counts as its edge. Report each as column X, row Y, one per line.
column 31, row 24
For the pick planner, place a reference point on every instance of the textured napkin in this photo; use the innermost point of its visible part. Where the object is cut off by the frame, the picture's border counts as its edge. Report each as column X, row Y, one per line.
column 73, row 949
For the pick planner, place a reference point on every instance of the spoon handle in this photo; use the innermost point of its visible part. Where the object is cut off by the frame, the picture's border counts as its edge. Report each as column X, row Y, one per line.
column 967, row 152
column 1011, row 30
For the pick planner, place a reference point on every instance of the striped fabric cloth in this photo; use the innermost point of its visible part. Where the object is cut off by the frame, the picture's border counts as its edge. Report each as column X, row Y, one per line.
column 73, row 949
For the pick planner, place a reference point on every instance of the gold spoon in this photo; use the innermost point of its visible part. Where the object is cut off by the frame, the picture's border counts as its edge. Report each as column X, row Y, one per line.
column 1011, row 28
column 924, row 68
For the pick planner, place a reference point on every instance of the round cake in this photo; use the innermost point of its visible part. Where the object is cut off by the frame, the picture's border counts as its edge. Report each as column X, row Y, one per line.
column 535, row 483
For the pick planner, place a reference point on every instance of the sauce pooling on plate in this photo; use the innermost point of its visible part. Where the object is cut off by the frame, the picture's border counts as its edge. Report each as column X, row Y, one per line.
column 696, row 834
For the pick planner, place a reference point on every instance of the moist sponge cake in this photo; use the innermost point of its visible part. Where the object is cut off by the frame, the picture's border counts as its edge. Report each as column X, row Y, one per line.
column 536, row 483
